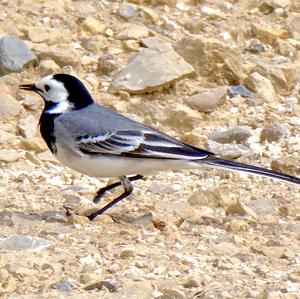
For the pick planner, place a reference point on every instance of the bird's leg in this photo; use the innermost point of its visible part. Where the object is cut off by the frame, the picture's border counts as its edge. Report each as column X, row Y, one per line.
column 127, row 191
column 102, row 191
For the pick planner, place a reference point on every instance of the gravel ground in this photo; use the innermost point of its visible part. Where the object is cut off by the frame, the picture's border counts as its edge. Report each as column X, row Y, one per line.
column 219, row 75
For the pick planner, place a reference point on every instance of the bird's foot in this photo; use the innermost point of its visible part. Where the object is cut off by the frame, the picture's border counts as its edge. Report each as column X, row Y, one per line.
column 68, row 213
column 99, row 195
column 73, row 217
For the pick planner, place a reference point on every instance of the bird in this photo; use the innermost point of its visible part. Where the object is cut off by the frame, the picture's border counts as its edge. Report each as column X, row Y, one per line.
column 99, row 142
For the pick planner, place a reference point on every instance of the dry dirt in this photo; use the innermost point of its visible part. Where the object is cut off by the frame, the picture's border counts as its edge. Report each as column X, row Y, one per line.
column 186, row 234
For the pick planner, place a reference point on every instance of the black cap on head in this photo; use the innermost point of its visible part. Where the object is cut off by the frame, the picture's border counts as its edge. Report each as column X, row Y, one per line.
column 78, row 93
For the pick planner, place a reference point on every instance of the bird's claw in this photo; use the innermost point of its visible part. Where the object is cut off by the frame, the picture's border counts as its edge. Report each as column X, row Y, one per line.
column 98, row 196
column 68, row 213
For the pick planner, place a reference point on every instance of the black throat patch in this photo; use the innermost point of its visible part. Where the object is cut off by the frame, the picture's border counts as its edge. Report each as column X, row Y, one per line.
column 47, row 130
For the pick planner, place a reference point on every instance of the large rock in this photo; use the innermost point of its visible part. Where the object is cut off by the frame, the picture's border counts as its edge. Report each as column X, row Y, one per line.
column 50, row 36
column 261, row 86
column 282, row 74
column 14, row 54
column 264, row 206
column 132, row 31
column 267, row 34
column 281, row 3
column 24, row 242
column 229, row 151
column 150, row 69
column 62, row 55
column 93, row 25
column 285, row 48
column 6, row 137
column 211, row 58
column 274, row 132
column 9, row 107
column 34, row 143
column 293, row 23
column 181, row 116
column 237, row 134
column 55, row 216
column 208, row 101
column 27, row 126
column 289, row 165
column 48, row 67
column 194, row 25
column 9, row 155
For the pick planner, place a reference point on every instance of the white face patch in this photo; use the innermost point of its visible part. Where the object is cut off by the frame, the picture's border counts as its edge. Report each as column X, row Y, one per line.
column 54, row 91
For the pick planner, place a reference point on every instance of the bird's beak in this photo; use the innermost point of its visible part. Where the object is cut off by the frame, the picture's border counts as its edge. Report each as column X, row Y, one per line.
column 30, row 87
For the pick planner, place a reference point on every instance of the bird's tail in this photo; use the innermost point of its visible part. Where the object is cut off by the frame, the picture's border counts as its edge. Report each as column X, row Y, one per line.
column 235, row 166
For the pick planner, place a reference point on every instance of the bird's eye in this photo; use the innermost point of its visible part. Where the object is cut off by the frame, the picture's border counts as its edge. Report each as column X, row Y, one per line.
column 47, row 87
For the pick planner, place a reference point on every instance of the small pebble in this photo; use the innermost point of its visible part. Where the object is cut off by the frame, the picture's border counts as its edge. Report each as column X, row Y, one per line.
column 64, row 286
column 255, row 48
column 127, row 10
column 239, row 90
column 99, row 285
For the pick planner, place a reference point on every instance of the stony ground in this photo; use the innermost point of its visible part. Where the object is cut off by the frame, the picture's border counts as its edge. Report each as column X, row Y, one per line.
column 174, row 65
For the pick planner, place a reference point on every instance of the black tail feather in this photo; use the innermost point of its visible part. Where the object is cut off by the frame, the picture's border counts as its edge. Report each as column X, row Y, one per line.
column 235, row 166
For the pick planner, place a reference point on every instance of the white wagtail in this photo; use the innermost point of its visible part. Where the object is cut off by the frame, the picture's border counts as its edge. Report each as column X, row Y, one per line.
column 96, row 141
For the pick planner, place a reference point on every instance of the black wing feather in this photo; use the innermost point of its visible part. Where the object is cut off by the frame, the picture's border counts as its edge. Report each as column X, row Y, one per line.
column 139, row 144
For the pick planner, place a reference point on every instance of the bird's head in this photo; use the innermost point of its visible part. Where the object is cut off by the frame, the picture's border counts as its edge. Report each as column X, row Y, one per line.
column 61, row 93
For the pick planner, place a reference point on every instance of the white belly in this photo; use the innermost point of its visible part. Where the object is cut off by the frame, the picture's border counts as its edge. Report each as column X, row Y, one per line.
column 113, row 166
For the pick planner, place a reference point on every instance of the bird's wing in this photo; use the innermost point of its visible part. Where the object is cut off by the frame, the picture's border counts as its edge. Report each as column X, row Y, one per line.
column 139, row 144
